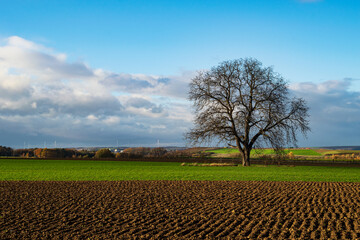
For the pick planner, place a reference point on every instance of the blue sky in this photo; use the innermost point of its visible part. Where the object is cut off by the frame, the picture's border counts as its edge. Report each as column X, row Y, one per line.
column 119, row 69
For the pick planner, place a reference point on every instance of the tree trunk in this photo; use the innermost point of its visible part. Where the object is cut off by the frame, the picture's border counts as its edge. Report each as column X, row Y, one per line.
column 246, row 157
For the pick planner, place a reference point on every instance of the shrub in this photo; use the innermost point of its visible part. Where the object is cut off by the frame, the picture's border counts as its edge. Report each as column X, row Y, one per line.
column 104, row 153
column 291, row 155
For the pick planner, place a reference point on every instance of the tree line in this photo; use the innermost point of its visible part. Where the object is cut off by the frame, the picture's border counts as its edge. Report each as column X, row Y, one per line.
column 45, row 153
column 138, row 152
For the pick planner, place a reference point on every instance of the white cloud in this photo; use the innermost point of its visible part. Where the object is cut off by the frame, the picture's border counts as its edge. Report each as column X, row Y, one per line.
column 50, row 97
column 26, row 57
column 326, row 88
column 22, row 43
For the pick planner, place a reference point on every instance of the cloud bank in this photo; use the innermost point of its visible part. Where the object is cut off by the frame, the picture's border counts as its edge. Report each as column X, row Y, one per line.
column 334, row 110
column 44, row 97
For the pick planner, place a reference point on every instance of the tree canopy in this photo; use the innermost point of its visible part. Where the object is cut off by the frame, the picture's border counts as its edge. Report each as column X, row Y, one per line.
column 104, row 153
column 245, row 103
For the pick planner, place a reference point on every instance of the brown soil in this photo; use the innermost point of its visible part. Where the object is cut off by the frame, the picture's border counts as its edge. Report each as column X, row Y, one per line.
column 179, row 210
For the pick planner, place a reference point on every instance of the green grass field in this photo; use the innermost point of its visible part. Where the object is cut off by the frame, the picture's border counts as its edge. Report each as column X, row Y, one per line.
column 298, row 152
column 77, row 170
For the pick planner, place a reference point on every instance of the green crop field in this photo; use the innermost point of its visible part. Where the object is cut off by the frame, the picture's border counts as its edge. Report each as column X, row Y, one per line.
column 298, row 152
column 78, row 170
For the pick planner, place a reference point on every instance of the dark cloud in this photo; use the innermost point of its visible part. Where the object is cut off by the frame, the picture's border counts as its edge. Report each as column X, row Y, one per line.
column 15, row 93
column 139, row 103
column 143, row 103
column 125, row 82
column 51, row 65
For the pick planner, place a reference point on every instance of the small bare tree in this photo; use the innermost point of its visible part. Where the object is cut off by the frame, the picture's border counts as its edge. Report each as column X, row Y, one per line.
column 242, row 102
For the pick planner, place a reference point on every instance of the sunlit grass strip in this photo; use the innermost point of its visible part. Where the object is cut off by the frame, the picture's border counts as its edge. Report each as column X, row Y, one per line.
column 298, row 152
column 77, row 170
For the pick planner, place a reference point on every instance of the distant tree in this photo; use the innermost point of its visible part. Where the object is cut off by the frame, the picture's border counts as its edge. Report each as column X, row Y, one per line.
column 104, row 153
column 242, row 102
column 6, row 151
column 38, row 152
column 176, row 154
column 24, row 152
column 157, row 152
column 137, row 152
column 55, row 153
column 86, row 154
column 140, row 152
column 186, row 153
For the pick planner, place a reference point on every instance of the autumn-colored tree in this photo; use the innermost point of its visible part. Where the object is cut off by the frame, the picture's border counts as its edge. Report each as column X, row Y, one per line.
column 104, row 153
column 38, row 152
column 136, row 152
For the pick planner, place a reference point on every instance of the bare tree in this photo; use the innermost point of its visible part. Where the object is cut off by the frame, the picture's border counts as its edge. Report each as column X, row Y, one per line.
column 242, row 102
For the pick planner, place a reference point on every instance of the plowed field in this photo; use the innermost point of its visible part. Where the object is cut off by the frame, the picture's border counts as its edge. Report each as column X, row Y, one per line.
column 179, row 210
